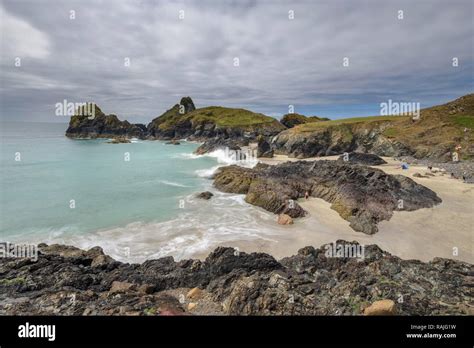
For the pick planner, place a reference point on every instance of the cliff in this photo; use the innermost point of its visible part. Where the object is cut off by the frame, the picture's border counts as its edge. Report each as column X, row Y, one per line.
column 96, row 124
column 434, row 135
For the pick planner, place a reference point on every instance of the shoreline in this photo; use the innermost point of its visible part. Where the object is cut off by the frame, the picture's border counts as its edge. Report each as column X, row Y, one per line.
column 423, row 234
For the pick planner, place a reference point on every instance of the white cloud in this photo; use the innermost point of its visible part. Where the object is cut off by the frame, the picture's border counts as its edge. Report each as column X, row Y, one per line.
column 20, row 39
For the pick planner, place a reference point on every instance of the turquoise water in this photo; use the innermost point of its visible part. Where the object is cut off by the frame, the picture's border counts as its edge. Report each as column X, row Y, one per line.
column 108, row 191
column 145, row 205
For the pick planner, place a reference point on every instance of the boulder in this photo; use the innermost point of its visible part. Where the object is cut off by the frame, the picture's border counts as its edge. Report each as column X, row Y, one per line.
column 205, row 195
column 382, row 307
column 264, row 148
column 194, row 293
column 119, row 140
column 284, row 219
column 120, row 287
column 173, row 142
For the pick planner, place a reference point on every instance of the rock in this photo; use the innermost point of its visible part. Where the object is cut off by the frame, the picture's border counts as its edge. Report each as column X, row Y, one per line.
column 168, row 305
column 119, row 140
column 292, row 120
column 119, row 287
column 361, row 195
column 188, row 104
column 96, row 124
column 382, row 307
column 284, row 219
column 194, row 293
column 173, row 142
column 183, row 121
column 264, row 149
column 386, row 136
column 205, row 195
column 191, row 306
column 146, row 289
column 362, row 158
column 419, row 175
column 229, row 144
column 234, row 283
column 101, row 260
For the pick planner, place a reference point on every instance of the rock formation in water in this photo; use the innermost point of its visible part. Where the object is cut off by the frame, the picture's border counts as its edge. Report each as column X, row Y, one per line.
column 435, row 135
column 362, row 195
column 96, row 124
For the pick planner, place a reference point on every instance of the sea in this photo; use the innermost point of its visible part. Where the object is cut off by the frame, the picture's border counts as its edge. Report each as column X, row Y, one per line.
column 137, row 200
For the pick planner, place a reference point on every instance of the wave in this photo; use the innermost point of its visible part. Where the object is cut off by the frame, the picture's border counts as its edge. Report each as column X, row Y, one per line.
column 172, row 183
column 207, row 173
column 201, row 227
column 187, row 155
column 232, row 157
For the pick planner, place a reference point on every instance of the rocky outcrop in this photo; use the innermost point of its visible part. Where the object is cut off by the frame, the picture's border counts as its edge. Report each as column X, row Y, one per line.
column 337, row 139
column 96, row 124
column 184, row 121
column 217, row 143
column 361, row 195
column 119, row 140
column 292, row 120
column 263, row 148
column 205, row 195
column 362, row 158
column 436, row 134
column 63, row 281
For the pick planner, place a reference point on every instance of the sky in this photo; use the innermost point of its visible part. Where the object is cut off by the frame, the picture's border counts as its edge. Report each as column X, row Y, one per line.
column 136, row 59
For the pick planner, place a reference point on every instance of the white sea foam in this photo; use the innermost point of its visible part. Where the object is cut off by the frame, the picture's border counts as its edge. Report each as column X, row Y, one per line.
column 172, row 183
column 229, row 157
column 188, row 156
column 207, row 173
column 224, row 220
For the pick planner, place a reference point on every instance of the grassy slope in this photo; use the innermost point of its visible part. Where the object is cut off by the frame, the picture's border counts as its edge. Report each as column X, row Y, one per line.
column 440, row 126
column 221, row 116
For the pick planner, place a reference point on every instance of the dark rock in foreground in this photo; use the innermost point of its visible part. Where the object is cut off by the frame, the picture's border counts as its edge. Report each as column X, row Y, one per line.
column 362, row 158
column 361, row 195
column 69, row 281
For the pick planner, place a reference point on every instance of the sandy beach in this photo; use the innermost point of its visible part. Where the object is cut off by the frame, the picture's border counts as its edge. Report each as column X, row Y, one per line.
column 445, row 230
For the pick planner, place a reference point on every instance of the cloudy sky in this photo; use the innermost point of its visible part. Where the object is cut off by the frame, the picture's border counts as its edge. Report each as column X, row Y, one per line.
column 81, row 56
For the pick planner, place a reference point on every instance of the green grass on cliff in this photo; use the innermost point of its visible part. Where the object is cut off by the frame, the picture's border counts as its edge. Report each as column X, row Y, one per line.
column 221, row 116
column 313, row 126
column 464, row 121
column 439, row 129
column 228, row 117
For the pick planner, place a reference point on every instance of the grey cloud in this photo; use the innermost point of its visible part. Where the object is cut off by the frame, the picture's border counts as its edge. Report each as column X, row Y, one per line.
column 282, row 61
